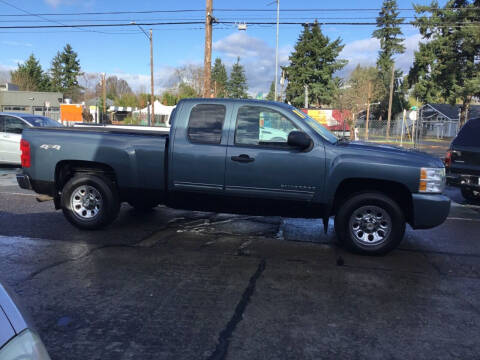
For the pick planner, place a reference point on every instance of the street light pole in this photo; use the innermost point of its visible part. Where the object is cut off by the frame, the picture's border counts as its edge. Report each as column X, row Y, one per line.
column 276, row 50
column 152, row 97
column 152, row 100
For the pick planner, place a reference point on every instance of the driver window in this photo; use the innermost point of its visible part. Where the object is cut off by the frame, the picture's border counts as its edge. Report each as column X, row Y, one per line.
column 14, row 125
column 258, row 125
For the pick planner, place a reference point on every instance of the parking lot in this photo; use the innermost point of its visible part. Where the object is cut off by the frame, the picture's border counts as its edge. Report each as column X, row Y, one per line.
column 174, row 284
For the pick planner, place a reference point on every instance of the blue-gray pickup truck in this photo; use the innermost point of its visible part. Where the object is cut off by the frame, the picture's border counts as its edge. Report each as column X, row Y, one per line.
column 238, row 156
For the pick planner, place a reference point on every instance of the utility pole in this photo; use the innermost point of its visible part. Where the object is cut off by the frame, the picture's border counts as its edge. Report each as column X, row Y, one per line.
column 390, row 101
column 207, row 68
column 368, row 109
column 306, row 96
column 152, row 97
column 276, row 51
column 104, row 95
column 152, row 100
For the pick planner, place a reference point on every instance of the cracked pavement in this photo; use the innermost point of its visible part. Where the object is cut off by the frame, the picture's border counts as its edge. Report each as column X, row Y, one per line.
column 174, row 284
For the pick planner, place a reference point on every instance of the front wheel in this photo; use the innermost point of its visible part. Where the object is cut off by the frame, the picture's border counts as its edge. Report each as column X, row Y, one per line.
column 370, row 223
column 90, row 201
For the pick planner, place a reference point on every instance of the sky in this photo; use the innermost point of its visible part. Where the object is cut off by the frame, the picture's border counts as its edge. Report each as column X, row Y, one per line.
column 124, row 51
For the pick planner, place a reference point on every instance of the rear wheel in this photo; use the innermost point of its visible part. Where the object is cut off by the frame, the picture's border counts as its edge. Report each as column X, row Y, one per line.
column 470, row 195
column 90, row 201
column 370, row 223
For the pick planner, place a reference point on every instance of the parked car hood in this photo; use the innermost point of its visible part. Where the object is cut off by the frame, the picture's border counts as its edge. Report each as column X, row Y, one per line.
column 395, row 153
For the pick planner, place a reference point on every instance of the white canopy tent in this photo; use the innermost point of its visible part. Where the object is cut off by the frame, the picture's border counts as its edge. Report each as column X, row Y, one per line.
column 162, row 111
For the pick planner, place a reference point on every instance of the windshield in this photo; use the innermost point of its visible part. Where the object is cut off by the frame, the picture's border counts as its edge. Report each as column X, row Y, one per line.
column 42, row 121
column 315, row 126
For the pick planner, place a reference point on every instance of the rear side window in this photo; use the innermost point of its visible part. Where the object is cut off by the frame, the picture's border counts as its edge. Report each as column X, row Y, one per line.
column 1, row 124
column 469, row 135
column 206, row 123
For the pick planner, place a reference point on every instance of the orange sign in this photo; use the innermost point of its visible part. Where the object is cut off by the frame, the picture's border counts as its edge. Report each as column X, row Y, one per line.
column 71, row 113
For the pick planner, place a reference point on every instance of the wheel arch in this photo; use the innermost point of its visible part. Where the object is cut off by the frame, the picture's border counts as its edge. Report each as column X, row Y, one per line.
column 66, row 169
column 394, row 190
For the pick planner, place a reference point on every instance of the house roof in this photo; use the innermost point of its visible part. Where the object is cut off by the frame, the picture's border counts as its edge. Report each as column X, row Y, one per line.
column 96, row 101
column 452, row 111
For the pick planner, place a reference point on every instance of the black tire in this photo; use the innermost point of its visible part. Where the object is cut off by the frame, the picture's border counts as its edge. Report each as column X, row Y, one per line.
column 387, row 230
column 106, row 210
column 143, row 206
column 470, row 195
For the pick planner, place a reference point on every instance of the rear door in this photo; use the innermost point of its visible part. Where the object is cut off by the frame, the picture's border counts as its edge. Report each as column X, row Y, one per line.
column 11, row 136
column 199, row 148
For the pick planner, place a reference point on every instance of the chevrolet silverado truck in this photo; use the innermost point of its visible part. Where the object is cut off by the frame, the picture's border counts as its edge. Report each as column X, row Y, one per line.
column 219, row 156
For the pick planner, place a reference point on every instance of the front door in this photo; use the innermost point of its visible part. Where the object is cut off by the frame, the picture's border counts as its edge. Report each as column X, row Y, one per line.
column 10, row 139
column 261, row 165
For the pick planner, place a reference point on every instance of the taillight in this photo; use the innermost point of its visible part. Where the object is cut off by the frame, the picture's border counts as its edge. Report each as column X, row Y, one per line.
column 448, row 158
column 25, row 157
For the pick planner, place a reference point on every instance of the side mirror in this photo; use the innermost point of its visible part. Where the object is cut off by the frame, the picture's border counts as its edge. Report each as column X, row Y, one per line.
column 299, row 140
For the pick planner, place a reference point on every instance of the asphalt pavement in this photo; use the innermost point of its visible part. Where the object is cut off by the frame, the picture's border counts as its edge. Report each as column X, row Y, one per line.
column 174, row 284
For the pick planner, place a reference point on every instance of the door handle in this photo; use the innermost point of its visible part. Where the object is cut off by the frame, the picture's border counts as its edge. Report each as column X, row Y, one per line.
column 242, row 158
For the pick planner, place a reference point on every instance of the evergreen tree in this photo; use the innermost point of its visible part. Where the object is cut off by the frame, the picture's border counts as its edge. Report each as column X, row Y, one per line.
column 65, row 71
column 237, row 85
column 271, row 92
column 391, row 43
column 219, row 79
column 453, row 51
column 313, row 63
column 420, row 77
column 30, row 76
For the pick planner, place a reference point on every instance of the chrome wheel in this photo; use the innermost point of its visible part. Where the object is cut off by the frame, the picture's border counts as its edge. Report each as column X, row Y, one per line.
column 370, row 225
column 86, row 202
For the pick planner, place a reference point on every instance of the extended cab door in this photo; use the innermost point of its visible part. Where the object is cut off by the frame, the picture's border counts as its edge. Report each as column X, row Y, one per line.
column 199, row 148
column 10, row 138
column 261, row 165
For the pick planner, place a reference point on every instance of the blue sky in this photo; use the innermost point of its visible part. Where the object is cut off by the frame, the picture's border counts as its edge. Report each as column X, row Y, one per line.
column 125, row 52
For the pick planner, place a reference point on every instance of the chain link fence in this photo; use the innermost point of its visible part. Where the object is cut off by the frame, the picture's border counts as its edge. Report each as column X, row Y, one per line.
column 433, row 137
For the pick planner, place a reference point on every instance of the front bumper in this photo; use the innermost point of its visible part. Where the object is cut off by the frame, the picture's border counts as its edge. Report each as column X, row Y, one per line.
column 429, row 210
column 24, row 181
column 463, row 180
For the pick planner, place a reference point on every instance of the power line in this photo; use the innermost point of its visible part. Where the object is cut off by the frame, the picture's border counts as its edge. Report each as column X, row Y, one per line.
column 230, row 10
column 219, row 22
column 39, row 16
column 97, row 25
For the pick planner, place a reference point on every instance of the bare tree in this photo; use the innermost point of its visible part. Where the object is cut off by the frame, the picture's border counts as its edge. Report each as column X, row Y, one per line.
column 190, row 74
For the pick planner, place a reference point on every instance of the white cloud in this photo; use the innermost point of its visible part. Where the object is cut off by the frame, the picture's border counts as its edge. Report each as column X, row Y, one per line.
column 141, row 82
column 365, row 52
column 53, row 3
column 56, row 3
column 16, row 43
column 257, row 57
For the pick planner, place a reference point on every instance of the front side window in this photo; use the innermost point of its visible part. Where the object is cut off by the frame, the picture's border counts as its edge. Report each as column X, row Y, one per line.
column 14, row 125
column 257, row 125
column 206, row 123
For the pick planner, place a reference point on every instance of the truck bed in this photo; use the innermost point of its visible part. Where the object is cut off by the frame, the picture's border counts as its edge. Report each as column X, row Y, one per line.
column 137, row 158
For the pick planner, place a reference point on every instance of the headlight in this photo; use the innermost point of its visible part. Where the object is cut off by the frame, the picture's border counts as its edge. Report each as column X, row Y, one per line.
column 26, row 345
column 432, row 180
